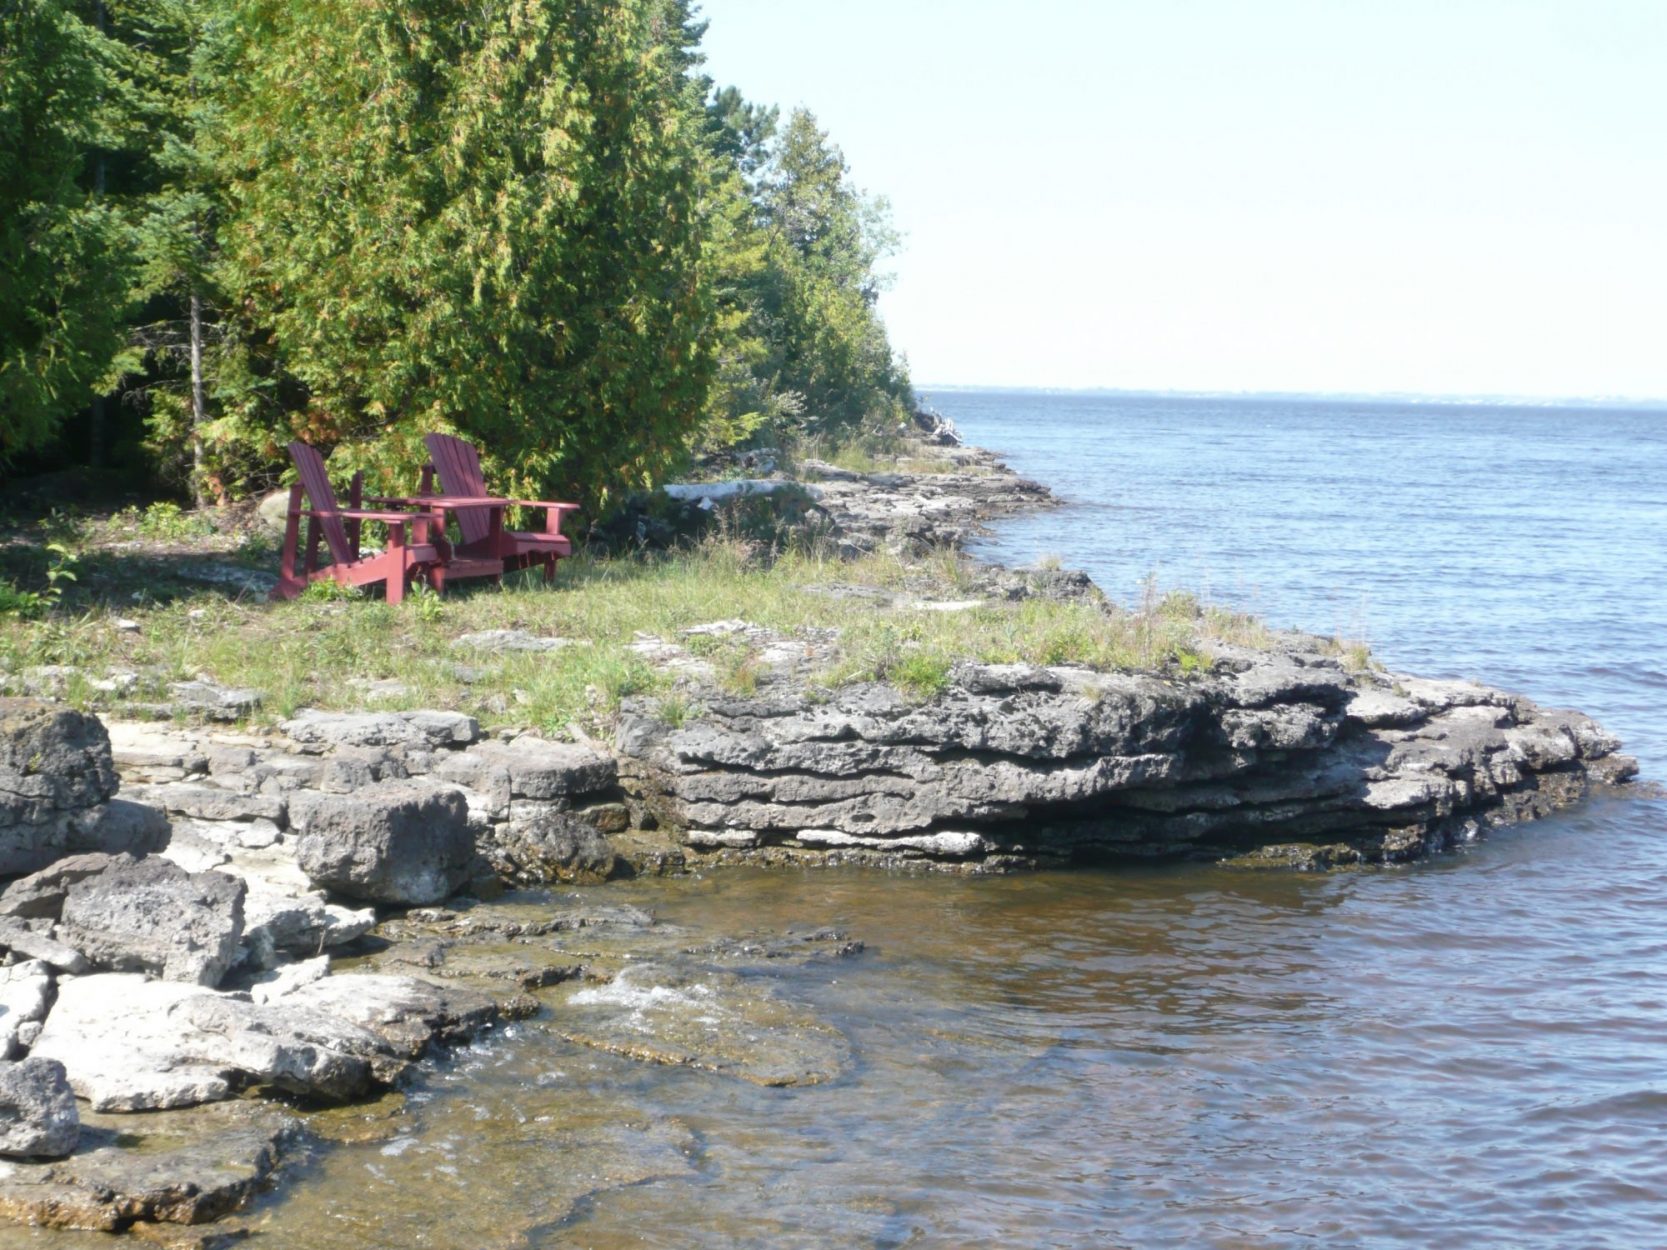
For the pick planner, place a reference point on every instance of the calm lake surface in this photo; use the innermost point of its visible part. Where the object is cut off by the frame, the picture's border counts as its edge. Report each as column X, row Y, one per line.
column 1468, row 1052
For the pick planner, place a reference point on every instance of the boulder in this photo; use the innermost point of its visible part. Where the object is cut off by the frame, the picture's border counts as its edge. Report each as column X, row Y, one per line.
column 551, row 847
column 395, row 842
column 150, row 915
column 55, row 773
column 38, row 1118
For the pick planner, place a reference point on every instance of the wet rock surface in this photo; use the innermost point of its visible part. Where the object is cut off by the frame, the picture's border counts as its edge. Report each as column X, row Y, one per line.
column 177, row 1167
column 130, row 1044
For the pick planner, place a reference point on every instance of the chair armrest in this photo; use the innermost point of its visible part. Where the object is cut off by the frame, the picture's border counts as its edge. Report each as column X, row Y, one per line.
column 543, row 503
column 363, row 514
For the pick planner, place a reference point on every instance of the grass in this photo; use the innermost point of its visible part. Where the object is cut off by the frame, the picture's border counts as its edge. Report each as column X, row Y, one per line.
column 320, row 650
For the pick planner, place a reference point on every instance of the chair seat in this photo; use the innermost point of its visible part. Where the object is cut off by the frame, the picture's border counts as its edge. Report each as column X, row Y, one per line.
column 559, row 543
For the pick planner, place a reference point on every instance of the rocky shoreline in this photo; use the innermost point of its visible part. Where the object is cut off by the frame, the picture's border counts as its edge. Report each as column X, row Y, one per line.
column 209, row 930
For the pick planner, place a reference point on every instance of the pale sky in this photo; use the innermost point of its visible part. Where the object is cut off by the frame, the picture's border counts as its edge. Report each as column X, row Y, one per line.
column 1429, row 196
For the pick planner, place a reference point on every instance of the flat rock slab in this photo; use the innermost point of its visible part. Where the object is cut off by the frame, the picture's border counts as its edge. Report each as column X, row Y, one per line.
column 325, row 730
column 128, row 1044
column 500, row 640
column 530, row 768
column 714, row 1021
column 175, row 1167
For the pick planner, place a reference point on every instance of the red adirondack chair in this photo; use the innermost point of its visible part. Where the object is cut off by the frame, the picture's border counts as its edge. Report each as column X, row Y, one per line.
column 460, row 474
column 408, row 553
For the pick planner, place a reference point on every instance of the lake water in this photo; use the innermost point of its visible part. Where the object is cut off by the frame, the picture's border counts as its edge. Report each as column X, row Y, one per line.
column 1466, row 1052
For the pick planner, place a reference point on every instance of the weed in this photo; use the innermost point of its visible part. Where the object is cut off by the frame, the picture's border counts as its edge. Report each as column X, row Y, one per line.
column 921, row 674
column 169, row 523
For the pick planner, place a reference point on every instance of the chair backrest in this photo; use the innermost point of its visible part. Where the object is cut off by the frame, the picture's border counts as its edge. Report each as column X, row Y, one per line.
column 316, row 482
column 460, row 474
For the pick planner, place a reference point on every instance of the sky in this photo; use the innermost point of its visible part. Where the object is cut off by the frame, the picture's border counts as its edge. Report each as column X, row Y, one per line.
column 1439, row 197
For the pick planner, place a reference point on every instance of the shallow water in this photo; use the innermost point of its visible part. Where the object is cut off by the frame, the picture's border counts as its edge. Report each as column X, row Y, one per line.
column 1471, row 1051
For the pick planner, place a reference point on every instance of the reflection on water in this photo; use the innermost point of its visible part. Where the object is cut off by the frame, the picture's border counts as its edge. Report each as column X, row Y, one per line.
column 1184, row 1057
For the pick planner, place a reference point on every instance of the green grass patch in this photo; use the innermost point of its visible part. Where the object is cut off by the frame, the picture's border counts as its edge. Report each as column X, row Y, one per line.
column 326, row 647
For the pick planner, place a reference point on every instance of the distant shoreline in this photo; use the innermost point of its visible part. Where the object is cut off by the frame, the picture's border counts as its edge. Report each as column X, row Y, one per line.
column 1383, row 400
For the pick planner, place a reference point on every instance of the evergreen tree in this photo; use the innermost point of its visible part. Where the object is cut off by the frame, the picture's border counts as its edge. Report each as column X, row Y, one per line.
column 484, row 220
column 66, row 260
column 816, row 305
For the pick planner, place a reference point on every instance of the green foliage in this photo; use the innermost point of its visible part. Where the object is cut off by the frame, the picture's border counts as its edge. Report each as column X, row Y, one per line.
column 66, row 262
column 490, row 225
column 166, row 522
column 534, row 224
column 61, row 570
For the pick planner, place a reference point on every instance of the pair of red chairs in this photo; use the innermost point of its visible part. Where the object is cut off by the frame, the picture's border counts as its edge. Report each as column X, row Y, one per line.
column 416, row 545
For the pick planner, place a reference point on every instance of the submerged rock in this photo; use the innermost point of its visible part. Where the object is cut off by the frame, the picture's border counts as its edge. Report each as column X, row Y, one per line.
column 175, row 1167
column 703, row 1018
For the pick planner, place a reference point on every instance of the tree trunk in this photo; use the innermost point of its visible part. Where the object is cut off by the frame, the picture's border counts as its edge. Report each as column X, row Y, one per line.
column 96, row 419
column 198, row 412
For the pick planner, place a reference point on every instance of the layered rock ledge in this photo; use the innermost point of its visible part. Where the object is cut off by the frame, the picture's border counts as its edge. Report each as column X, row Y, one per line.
column 1284, row 755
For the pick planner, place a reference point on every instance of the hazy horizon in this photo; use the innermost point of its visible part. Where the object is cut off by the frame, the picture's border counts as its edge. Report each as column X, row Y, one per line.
column 1626, row 402
column 1295, row 196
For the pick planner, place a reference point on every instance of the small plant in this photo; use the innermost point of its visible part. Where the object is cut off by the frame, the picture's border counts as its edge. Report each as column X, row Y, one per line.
column 169, row 523
column 20, row 603
column 675, row 709
column 921, row 674
column 426, row 603
column 1357, row 658
column 326, row 590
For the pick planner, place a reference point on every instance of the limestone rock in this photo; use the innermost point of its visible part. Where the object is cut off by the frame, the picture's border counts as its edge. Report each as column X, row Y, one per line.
column 317, row 729
column 55, row 770
column 25, row 995
column 129, row 1044
column 169, row 1167
column 531, row 768
column 151, row 915
column 395, row 842
column 501, row 640
column 1020, row 764
column 38, row 1118
column 552, row 847
column 215, row 702
column 33, row 940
